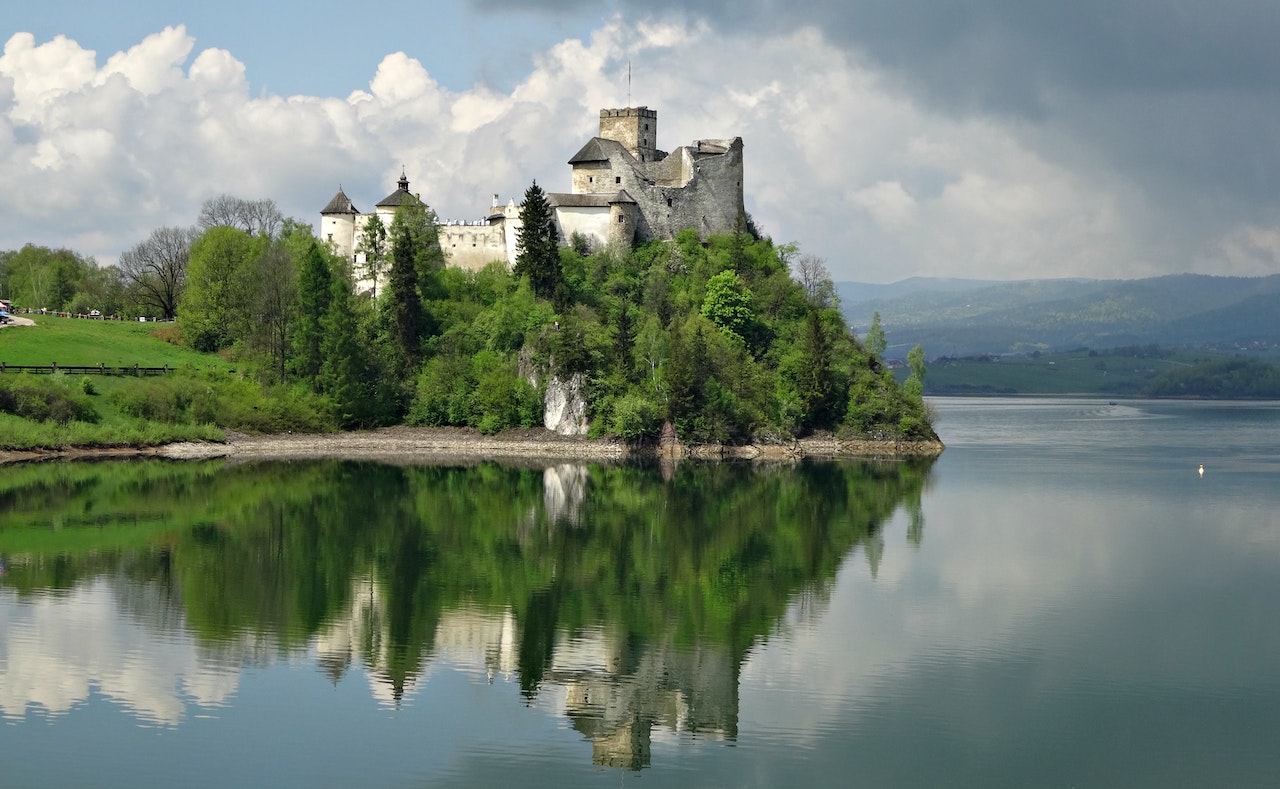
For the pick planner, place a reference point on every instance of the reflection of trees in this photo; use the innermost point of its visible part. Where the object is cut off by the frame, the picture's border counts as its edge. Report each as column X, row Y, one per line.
column 639, row 596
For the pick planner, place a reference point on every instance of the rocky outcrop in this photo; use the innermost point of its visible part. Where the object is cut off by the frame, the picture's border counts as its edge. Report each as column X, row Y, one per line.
column 565, row 409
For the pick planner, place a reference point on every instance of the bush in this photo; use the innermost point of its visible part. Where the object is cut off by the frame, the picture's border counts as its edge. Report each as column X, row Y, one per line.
column 47, row 400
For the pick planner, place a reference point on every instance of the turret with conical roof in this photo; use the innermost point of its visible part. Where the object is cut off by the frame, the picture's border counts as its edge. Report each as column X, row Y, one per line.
column 338, row 224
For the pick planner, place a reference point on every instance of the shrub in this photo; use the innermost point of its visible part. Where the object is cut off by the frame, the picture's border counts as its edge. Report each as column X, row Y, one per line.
column 46, row 400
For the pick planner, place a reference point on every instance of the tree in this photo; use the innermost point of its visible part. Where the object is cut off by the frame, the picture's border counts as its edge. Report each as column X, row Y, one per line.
column 728, row 304
column 412, row 233
column 373, row 245
column 315, row 281
column 341, row 371
column 816, row 386
column 212, row 309
column 255, row 217
column 914, row 385
column 43, row 277
column 271, row 303
column 875, row 341
column 538, row 246
column 812, row 273
column 156, row 269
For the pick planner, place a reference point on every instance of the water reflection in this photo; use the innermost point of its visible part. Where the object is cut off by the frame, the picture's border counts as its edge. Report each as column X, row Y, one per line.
column 631, row 596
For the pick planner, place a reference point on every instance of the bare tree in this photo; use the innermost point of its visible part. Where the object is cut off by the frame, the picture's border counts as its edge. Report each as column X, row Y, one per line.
column 156, row 269
column 812, row 273
column 255, row 217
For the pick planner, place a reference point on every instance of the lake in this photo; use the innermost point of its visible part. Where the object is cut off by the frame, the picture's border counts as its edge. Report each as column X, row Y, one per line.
column 1061, row 599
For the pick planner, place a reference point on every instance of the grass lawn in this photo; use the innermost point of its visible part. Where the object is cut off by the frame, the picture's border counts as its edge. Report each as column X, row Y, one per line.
column 74, row 342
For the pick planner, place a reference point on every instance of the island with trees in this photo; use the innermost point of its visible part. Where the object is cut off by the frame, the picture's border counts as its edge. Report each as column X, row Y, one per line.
column 727, row 341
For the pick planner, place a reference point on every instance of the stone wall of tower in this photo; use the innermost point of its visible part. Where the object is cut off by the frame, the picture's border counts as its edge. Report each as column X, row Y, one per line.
column 635, row 127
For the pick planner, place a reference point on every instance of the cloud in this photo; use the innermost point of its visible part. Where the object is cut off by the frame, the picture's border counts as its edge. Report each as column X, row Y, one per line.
column 61, row 650
column 884, row 164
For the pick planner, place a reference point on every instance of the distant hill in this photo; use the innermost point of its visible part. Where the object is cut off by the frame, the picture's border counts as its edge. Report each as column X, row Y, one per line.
column 971, row 317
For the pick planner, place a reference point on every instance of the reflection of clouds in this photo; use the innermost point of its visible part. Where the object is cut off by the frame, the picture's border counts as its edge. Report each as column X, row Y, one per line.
column 59, row 648
column 1083, row 581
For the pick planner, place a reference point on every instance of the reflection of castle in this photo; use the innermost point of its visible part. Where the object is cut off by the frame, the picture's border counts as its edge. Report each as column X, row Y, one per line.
column 615, row 691
column 624, row 190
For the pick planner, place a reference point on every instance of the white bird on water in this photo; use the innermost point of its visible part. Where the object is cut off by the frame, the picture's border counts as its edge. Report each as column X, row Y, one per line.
column 1202, row 469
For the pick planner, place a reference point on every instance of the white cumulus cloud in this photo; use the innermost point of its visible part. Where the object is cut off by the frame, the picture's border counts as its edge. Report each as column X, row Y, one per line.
column 94, row 153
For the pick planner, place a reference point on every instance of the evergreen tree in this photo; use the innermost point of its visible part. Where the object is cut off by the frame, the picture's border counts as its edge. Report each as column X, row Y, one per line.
column 538, row 246
column 816, row 385
column 406, row 319
column 315, row 280
column 341, row 373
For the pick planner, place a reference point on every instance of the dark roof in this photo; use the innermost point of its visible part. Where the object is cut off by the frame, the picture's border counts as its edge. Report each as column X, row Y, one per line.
column 394, row 199
column 340, row 204
column 600, row 200
column 593, row 151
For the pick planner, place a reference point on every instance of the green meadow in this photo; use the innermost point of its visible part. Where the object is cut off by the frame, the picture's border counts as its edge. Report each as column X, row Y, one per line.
column 202, row 396
column 77, row 342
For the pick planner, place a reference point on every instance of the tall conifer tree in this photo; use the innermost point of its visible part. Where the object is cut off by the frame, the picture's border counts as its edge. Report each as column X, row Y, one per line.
column 538, row 245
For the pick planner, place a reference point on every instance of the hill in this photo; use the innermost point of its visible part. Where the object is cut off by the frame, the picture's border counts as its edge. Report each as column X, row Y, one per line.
column 958, row 318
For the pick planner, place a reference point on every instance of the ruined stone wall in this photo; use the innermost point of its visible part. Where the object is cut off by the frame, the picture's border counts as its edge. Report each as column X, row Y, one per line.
column 472, row 247
column 709, row 202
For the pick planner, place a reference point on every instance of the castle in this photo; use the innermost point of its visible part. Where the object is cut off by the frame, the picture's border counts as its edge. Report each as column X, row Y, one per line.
column 624, row 191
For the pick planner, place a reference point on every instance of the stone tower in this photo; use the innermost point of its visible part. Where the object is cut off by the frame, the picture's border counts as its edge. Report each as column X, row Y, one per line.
column 636, row 128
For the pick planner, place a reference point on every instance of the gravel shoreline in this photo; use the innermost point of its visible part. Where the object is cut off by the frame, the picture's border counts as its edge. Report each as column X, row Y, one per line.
column 400, row 444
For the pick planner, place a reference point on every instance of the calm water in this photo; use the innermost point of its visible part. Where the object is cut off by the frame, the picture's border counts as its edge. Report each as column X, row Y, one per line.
column 1060, row 600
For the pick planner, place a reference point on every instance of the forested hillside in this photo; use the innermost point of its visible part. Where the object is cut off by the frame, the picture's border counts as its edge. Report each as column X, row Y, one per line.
column 971, row 318
column 716, row 337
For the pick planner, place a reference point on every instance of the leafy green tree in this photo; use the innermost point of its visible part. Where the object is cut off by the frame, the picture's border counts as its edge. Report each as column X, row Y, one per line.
column 373, row 246
column 915, row 361
column 43, row 277
column 728, row 304
column 538, row 246
column 875, row 341
column 212, row 309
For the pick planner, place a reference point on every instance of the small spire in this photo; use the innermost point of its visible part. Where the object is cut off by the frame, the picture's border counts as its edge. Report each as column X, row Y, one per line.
column 404, row 180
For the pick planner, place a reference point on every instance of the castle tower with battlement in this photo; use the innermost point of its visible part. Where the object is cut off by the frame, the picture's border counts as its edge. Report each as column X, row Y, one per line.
column 636, row 128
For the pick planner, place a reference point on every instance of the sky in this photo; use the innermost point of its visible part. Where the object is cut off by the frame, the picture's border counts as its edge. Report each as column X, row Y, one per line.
column 985, row 139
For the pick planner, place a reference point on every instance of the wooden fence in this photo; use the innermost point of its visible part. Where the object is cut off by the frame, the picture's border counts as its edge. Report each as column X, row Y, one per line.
column 100, row 369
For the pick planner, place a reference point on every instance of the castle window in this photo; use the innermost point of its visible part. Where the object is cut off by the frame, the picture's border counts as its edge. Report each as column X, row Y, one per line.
column 621, row 219
column 617, row 179
column 591, row 179
column 669, row 202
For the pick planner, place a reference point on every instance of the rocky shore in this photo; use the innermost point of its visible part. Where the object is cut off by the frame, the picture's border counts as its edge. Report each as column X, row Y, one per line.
column 401, row 444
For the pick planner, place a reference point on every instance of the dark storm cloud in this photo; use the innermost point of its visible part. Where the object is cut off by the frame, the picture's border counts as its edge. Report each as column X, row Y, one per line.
column 1182, row 95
